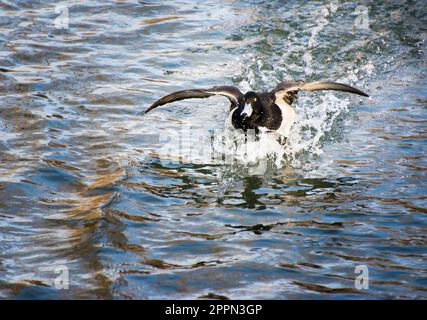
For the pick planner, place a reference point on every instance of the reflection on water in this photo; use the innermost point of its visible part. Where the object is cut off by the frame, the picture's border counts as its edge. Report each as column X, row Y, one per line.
column 85, row 182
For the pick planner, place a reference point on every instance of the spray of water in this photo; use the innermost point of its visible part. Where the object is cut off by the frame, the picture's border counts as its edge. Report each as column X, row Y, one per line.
column 315, row 120
column 218, row 143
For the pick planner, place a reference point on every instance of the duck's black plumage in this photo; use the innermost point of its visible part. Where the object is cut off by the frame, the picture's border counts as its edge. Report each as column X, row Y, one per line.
column 263, row 113
column 271, row 110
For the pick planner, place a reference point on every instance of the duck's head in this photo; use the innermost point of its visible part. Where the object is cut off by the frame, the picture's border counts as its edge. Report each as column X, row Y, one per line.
column 252, row 106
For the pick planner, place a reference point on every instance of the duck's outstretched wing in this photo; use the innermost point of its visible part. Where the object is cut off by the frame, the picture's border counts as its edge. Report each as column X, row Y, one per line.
column 288, row 90
column 232, row 93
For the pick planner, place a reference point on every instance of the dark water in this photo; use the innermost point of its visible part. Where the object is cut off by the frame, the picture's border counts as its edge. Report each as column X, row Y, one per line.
column 86, row 184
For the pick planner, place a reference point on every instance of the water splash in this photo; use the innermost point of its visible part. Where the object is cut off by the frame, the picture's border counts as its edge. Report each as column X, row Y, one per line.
column 316, row 117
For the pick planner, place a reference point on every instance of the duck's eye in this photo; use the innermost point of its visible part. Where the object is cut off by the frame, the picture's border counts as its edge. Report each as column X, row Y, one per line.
column 254, row 99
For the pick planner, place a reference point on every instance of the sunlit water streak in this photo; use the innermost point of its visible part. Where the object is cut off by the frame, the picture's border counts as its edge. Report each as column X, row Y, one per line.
column 132, row 208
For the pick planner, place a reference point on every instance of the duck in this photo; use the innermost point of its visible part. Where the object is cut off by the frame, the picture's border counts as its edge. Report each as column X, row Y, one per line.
column 269, row 111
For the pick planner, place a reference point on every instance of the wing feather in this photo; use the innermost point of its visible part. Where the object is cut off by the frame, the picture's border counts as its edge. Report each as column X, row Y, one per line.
column 232, row 93
column 288, row 90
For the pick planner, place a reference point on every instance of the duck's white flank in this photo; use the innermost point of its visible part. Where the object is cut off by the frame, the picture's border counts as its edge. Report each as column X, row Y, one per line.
column 288, row 116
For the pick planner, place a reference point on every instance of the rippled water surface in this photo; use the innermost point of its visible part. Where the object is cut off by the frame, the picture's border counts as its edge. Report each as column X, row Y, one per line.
column 124, row 203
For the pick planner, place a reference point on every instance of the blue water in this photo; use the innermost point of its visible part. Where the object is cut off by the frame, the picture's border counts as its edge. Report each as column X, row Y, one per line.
column 132, row 209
